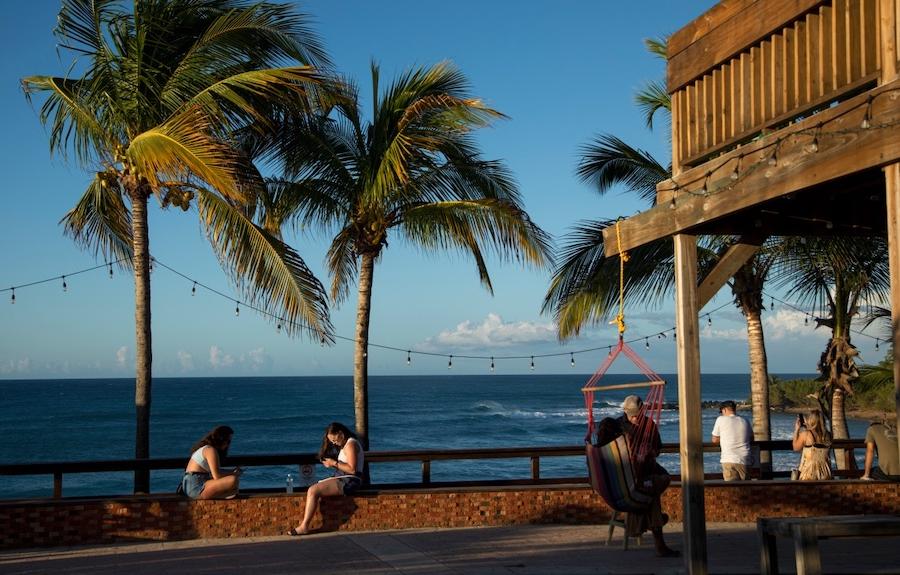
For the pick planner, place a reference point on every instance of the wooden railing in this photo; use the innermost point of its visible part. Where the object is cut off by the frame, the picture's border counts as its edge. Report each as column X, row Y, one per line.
column 750, row 66
column 424, row 457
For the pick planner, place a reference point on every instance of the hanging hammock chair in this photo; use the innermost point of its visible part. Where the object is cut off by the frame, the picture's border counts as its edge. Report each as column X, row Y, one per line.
column 614, row 465
column 615, row 459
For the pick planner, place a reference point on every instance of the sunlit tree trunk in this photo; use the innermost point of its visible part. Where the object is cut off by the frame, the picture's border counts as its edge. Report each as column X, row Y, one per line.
column 839, row 429
column 747, row 290
column 142, row 343
column 360, row 357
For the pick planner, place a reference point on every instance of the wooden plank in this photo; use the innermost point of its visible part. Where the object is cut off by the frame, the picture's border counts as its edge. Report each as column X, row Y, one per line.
column 730, row 262
column 790, row 69
column 690, row 430
column 728, row 102
column 854, row 40
column 746, row 91
column 839, row 155
column 801, row 66
column 709, row 20
column 813, row 56
column 777, row 75
column 839, row 43
column 679, row 116
column 806, row 550
column 826, row 25
column 889, row 33
column 869, row 40
column 653, row 383
column 756, row 91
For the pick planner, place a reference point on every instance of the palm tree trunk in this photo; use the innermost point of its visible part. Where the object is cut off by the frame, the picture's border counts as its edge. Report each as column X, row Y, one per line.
column 759, row 385
column 839, row 429
column 143, row 347
column 360, row 356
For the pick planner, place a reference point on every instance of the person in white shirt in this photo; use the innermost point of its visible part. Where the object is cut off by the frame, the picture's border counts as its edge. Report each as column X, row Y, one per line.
column 733, row 434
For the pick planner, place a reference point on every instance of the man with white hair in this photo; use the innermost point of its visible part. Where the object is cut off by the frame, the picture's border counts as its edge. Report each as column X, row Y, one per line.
column 653, row 477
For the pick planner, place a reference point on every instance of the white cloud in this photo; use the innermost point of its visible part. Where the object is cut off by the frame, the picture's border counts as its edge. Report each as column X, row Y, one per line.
column 714, row 334
column 219, row 359
column 256, row 359
column 186, row 360
column 121, row 356
column 22, row 365
column 785, row 323
column 493, row 331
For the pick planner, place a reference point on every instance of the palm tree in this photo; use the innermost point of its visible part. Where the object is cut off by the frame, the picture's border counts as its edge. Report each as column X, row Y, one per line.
column 412, row 170
column 837, row 277
column 160, row 89
column 585, row 290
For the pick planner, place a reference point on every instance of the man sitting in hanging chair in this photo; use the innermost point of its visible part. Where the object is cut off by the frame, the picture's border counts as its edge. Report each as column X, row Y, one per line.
column 643, row 436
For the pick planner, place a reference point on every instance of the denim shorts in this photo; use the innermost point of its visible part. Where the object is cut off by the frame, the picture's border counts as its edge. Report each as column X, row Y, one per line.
column 349, row 484
column 193, row 483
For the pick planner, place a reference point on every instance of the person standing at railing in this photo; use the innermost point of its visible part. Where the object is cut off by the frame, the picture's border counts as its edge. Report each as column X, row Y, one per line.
column 882, row 438
column 814, row 442
column 348, row 471
column 733, row 434
column 203, row 478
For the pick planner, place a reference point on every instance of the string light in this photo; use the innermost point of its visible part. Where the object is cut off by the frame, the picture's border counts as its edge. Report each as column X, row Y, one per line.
column 194, row 289
column 704, row 191
column 65, row 287
column 450, row 363
column 278, row 328
column 806, row 320
column 110, row 272
column 646, row 343
column 772, row 304
column 572, row 359
column 408, row 357
column 237, row 308
column 492, row 363
column 12, row 298
column 866, row 123
column 736, row 172
column 876, row 344
column 532, row 363
column 813, row 146
column 773, row 159
column 708, row 320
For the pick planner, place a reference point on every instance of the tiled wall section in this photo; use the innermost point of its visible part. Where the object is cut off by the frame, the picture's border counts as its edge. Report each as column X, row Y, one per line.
column 158, row 518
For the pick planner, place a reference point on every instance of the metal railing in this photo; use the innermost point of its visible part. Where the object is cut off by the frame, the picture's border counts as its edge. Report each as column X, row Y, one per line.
column 424, row 457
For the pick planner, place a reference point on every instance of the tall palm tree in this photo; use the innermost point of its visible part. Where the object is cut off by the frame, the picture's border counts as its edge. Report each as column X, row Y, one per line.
column 414, row 171
column 159, row 89
column 584, row 289
column 837, row 276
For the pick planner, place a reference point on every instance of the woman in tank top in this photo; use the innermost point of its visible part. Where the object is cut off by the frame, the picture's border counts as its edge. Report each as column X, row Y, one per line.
column 814, row 442
column 348, row 471
column 203, row 479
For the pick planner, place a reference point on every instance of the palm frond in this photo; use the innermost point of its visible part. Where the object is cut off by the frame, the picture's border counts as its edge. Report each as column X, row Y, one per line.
column 267, row 270
column 608, row 161
column 101, row 222
column 652, row 98
column 342, row 264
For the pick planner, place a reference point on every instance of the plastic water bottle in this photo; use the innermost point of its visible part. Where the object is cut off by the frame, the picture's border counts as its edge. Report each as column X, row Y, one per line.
column 290, row 483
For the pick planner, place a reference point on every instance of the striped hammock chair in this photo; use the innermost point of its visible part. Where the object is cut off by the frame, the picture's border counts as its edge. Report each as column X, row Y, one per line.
column 614, row 467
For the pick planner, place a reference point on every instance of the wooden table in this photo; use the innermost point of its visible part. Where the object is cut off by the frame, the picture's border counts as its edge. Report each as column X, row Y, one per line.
column 806, row 532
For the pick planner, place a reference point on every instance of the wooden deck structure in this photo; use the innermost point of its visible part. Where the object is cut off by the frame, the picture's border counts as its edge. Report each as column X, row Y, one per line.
column 785, row 121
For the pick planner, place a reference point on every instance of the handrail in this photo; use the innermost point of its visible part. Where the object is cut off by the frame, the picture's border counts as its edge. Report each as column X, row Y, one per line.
column 424, row 456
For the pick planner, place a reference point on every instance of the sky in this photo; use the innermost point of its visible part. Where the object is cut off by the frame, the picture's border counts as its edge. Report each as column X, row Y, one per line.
column 564, row 72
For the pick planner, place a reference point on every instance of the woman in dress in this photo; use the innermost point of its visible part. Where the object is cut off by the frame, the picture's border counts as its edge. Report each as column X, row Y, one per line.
column 814, row 442
column 348, row 471
column 203, row 478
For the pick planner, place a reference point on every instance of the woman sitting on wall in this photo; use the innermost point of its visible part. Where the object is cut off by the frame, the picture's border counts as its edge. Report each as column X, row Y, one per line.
column 203, row 479
column 814, row 441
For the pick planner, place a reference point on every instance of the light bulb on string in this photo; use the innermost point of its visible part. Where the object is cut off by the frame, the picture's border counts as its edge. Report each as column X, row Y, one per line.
column 492, row 363
column 672, row 202
column 806, row 320
column 194, row 289
column 450, row 363
column 704, row 191
column 709, row 320
column 278, row 327
column 532, row 363
column 736, row 172
column 572, row 359
column 12, row 298
column 110, row 272
column 773, row 159
column 866, row 123
column 322, row 341
column 646, row 343
column 65, row 286
column 876, row 344
column 237, row 308
column 813, row 146
column 609, row 350
column 674, row 334
column 772, row 304
column 408, row 357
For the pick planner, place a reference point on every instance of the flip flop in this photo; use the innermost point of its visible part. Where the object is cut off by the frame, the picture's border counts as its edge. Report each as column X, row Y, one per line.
column 295, row 533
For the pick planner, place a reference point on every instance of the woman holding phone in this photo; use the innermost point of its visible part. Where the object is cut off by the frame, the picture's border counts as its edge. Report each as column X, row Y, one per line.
column 814, row 442
column 348, row 471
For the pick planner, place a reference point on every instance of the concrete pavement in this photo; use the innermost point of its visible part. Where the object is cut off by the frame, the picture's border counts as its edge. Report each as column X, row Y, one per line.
column 525, row 550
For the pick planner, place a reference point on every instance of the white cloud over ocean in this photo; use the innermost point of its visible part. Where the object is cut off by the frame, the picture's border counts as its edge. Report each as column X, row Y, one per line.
column 255, row 360
column 219, row 359
column 492, row 332
column 16, row 366
column 122, row 356
column 786, row 323
column 185, row 360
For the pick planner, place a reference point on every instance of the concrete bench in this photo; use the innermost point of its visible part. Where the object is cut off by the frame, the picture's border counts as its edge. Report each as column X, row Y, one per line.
column 806, row 532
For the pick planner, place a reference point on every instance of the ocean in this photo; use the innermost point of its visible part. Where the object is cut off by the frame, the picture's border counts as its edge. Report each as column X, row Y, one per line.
column 93, row 419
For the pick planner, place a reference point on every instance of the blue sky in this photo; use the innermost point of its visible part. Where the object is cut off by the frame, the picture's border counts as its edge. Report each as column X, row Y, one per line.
column 562, row 71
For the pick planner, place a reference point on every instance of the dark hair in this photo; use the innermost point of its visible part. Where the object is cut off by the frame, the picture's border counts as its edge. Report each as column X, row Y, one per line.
column 334, row 428
column 728, row 404
column 219, row 439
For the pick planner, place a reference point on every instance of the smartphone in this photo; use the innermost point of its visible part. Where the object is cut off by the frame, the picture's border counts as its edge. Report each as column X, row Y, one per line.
column 800, row 418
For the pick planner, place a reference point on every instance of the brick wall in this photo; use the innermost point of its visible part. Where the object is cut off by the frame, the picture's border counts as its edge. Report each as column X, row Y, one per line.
column 160, row 518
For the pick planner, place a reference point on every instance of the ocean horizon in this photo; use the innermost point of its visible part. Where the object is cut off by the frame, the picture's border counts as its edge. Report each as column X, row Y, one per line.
column 52, row 420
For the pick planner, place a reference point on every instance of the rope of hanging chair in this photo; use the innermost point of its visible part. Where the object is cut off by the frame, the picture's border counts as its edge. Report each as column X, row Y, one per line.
column 623, row 257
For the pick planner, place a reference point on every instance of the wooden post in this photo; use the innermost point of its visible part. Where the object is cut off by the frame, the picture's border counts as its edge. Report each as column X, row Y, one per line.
column 892, row 190
column 690, row 428
column 535, row 467
column 426, row 471
column 57, row 485
column 887, row 21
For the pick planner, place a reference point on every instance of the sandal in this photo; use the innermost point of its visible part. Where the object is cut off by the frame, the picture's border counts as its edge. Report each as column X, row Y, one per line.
column 294, row 532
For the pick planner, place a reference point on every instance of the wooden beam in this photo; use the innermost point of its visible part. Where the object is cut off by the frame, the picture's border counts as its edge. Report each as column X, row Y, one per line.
column 734, row 30
column 892, row 183
column 736, row 256
column 843, row 149
column 690, row 430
